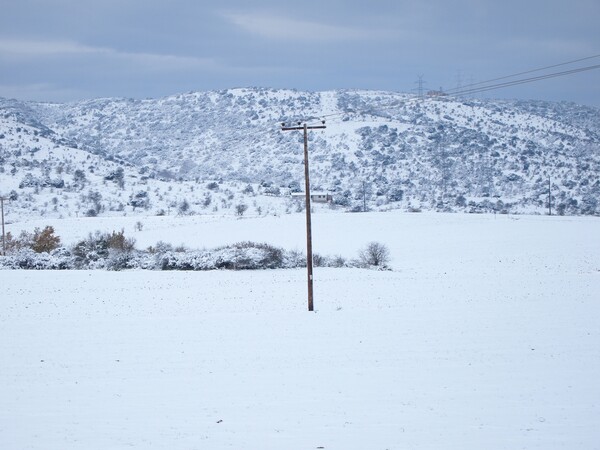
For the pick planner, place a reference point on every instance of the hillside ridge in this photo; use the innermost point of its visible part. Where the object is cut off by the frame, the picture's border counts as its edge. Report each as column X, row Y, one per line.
column 385, row 150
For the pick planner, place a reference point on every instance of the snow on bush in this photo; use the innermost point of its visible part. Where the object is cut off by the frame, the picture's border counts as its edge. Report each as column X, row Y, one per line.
column 26, row 258
column 240, row 256
column 113, row 251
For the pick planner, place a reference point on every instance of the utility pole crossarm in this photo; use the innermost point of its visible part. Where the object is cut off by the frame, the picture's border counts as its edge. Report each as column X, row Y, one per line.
column 314, row 127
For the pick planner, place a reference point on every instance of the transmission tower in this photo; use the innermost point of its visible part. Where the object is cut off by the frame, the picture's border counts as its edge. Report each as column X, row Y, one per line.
column 420, row 85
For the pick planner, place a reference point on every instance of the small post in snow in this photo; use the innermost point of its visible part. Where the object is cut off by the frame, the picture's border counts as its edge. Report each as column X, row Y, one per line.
column 3, row 235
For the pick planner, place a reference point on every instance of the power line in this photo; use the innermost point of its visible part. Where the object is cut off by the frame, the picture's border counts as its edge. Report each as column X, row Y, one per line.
column 375, row 108
column 467, row 89
column 526, row 80
column 490, row 87
column 530, row 71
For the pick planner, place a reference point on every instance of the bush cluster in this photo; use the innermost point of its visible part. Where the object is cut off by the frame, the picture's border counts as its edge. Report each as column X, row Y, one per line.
column 40, row 241
column 104, row 250
column 114, row 251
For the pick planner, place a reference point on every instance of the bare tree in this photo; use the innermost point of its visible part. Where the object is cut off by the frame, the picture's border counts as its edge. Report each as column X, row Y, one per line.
column 374, row 254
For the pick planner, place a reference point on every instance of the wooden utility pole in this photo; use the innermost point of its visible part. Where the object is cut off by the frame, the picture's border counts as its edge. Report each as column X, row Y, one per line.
column 3, row 235
column 549, row 197
column 309, row 255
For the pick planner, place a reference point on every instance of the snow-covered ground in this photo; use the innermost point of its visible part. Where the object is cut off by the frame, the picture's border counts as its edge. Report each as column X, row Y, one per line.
column 485, row 335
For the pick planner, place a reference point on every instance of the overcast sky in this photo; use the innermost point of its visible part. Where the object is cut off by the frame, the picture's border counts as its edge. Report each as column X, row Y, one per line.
column 62, row 50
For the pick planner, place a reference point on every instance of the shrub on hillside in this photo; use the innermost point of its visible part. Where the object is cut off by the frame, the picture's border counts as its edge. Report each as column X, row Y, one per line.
column 140, row 200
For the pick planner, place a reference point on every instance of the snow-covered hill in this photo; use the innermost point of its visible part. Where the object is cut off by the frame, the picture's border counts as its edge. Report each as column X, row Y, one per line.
column 208, row 152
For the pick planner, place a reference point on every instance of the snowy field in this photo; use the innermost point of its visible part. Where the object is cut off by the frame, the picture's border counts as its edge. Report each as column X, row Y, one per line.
column 485, row 335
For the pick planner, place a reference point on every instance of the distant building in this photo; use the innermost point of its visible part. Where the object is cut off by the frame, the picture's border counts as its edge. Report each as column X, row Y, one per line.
column 435, row 93
column 316, row 197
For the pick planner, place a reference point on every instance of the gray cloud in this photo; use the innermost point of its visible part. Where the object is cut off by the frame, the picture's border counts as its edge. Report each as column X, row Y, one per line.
column 67, row 48
column 273, row 26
